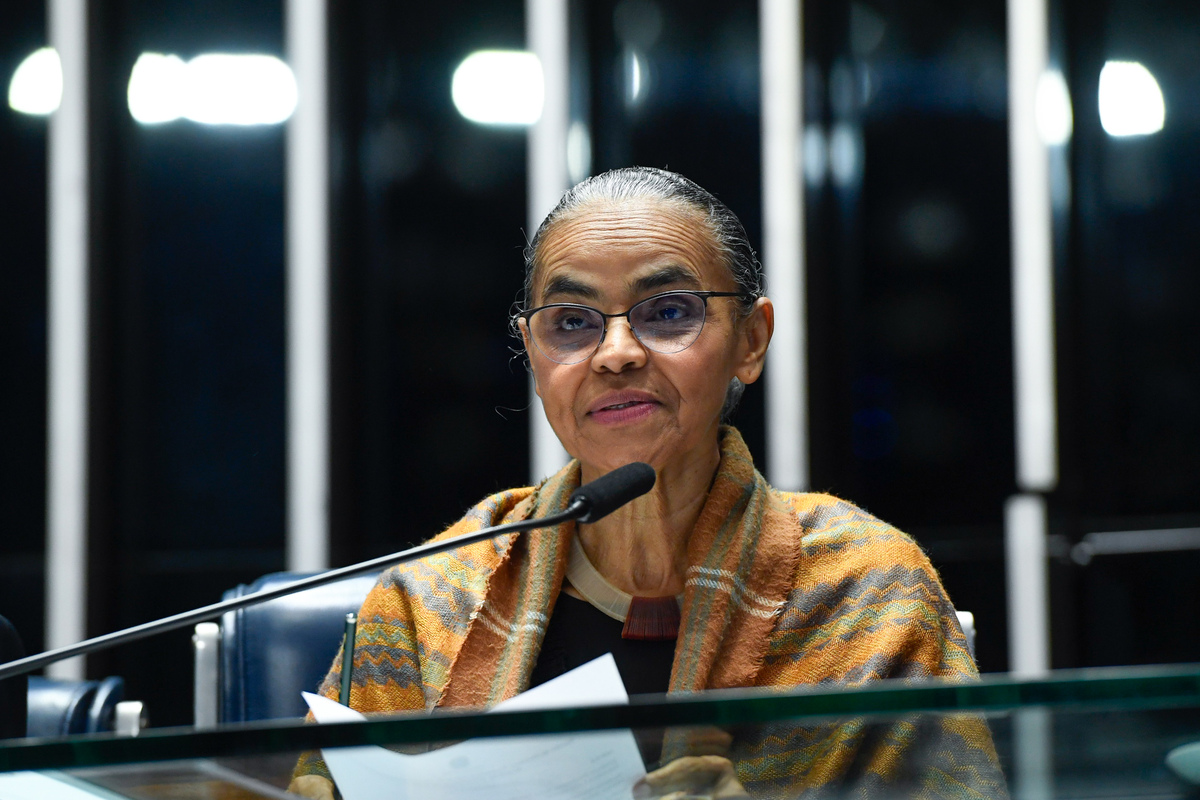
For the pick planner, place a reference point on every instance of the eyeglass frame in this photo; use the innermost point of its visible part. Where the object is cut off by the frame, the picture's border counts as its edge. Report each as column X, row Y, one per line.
column 703, row 295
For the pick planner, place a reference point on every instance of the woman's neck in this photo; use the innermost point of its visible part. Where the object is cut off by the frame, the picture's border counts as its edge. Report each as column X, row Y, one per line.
column 641, row 547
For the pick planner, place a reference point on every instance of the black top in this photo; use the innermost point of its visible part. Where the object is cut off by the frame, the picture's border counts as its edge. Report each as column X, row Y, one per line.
column 579, row 632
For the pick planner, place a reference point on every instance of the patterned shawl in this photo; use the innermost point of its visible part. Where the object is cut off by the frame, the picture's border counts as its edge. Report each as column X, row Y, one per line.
column 782, row 590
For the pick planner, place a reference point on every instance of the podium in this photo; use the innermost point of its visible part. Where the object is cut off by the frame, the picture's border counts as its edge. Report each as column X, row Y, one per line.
column 1078, row 734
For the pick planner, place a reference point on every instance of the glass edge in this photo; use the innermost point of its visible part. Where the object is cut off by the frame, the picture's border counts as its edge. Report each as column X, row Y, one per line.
column 1121, row 688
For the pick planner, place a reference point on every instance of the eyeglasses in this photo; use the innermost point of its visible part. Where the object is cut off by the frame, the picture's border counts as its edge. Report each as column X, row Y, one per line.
column 568, row 333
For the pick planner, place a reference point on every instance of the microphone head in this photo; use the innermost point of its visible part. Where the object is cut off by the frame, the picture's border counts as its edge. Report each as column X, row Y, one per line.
column 609, row 492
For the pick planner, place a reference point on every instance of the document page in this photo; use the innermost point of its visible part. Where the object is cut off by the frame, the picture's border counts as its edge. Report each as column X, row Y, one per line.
column 51, row 786
column 589, row 766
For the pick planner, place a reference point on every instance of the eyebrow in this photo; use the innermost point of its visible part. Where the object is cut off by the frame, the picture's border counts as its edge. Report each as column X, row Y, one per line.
column 667, row 276
column 566, row 285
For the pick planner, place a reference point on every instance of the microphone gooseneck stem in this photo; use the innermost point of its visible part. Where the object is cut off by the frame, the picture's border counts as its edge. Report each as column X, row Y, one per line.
column 575, row 510
column 348, row 658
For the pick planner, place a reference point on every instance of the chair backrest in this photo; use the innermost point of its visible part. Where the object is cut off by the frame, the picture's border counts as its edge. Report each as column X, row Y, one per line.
column 272, row 651
column 12, row 690
column 63, row 708
column 966, row 621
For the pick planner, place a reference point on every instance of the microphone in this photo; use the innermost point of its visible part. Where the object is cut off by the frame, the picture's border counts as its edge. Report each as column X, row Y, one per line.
column 609, row 492
column 588, row 503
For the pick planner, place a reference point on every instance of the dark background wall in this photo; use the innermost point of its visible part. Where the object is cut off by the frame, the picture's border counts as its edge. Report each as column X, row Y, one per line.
column 187, row 437
column 22, row 335
column 909, row 264
column 908, row 273
column 429, row 398
column 1130, row 341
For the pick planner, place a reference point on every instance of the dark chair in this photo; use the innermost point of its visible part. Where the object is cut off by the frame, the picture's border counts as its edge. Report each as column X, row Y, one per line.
column 63, row 708
column 12, row 690
column 269, row 653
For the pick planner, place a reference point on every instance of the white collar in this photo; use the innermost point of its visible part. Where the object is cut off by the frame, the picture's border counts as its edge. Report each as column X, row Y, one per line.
column 588, row 581
column 595, row 588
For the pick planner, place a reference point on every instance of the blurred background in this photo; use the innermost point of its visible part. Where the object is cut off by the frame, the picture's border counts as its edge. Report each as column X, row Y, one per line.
column 908, row 261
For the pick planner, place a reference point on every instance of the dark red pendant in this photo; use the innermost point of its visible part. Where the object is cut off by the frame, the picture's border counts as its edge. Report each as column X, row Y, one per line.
column 652, row 619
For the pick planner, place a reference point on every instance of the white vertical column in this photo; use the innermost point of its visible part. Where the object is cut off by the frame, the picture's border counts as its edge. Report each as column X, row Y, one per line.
column 1028, row 593
column 781, row 43
column 67, row 323
column 1033, row 754
column 547, row 36
column 308, row 290
column 1032, row 250
column 1033, row 343
column 1029, row 642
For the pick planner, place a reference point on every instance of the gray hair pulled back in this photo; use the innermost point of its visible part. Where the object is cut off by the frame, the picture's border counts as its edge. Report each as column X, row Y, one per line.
column 647, row 183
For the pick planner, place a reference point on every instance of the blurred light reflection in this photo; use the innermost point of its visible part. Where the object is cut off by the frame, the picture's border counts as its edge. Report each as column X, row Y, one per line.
column 499, row 87
column 1055, row 119
column 814, row 156
column 845, row 155
column 36, row 86
column 154, row 88
column 579, row 151
column 1131, row 101
column 638, row 23
column 637, row 73
column 212, row 89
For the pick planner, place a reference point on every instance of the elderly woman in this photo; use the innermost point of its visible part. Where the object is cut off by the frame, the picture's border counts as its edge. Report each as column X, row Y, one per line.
column 644, row 317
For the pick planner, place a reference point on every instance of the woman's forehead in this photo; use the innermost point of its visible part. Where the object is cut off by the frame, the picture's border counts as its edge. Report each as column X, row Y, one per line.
column 631, row 239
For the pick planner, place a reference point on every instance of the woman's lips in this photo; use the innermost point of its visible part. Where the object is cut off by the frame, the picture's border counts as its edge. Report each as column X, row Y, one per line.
column 623, row 407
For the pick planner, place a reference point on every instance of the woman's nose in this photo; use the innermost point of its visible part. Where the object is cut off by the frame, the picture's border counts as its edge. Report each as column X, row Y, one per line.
column 620, row 349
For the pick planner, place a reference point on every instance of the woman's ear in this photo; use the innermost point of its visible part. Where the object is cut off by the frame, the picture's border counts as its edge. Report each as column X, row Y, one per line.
column 756, row 333
column 523, row 329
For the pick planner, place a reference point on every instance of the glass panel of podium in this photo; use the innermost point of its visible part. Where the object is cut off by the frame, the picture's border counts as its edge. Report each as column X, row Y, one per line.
column 1105, row 733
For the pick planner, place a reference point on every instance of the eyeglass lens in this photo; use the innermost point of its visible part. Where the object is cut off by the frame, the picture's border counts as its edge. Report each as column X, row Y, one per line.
column 667, row 323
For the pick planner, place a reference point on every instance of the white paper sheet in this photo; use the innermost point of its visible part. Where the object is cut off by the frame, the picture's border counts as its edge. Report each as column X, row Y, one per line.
column 40, row 786
column 577, row 766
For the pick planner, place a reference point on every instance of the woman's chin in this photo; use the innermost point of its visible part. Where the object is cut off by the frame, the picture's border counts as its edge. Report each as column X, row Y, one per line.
column 598, row 464
column 658, row 448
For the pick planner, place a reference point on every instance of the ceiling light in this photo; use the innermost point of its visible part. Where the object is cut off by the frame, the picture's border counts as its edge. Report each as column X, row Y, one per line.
column 37, row 85
column 499, row 87
column 1131, row 102
column 212, row 89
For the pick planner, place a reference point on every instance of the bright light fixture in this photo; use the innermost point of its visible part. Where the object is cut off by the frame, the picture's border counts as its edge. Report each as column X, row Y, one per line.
column 155, row 88
column 499, row 87
column 212, row 89
column 1052, row 109
column 1131, row 102
column 37, row 85
column 239, row 90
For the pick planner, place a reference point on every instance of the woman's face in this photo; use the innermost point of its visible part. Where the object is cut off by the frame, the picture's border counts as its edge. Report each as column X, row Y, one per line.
column 627, row 403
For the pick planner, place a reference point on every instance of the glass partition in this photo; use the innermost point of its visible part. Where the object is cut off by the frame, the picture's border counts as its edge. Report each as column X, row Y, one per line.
column 1095, row 733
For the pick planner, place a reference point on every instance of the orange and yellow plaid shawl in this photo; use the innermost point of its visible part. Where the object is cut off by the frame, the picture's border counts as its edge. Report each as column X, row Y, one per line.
column 784, row 589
